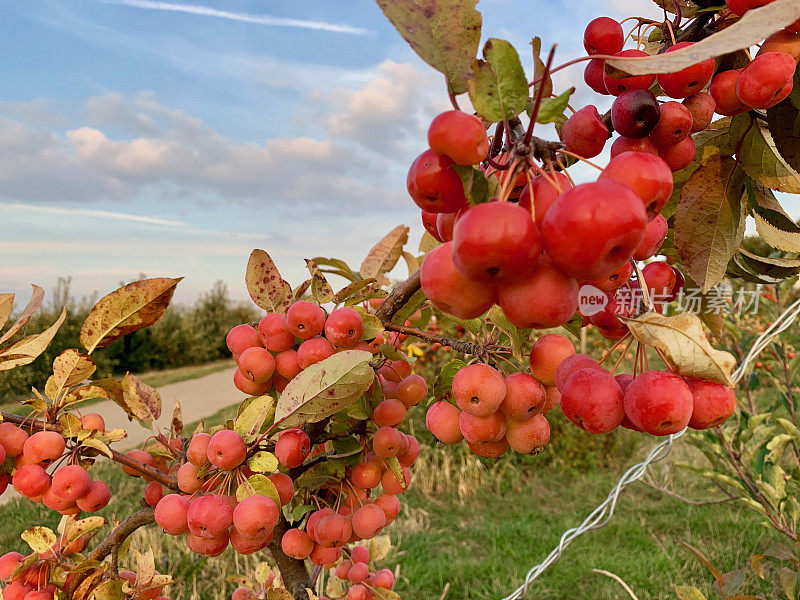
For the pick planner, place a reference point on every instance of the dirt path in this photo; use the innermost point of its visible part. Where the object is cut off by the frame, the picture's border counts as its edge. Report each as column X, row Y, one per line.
column 199, row 398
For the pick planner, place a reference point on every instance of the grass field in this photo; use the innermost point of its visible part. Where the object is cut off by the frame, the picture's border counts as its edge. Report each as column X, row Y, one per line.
column 476, row 530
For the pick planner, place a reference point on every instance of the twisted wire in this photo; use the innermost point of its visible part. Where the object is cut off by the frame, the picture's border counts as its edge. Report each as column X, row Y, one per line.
column 602, row 514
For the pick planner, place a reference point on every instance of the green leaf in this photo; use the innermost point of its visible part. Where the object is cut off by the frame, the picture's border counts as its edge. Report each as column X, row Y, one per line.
column 444, row 33
column 709, row 224
column 516, row 335
column 760, row 157
column 258, row 485
column 410, row 307
column 443, row 385
column 688, row 592
column 553, row 108
column 773, row 224
column 320, row 288
column 258, row 411
column 336, row 266
column 325, row 388
column 396, row 468
column 139, row 400
column 477, row 187
column 498, row 88
column 372, row 324
column 263, row 462
column 775, row 268
column 784, row 126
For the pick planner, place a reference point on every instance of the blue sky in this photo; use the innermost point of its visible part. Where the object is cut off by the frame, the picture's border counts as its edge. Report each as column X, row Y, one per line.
column 171, row 138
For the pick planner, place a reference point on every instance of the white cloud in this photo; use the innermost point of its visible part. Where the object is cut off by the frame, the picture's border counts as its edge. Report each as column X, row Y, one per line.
column 391, row 110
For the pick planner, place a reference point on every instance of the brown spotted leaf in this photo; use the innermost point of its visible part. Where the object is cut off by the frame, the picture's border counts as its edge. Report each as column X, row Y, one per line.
column 709, row 220
column 83, row 393
column 320, row 288
column 751, row 29
column 176, row 425
column 444, row 33
column 683, row 342
column 265, row 285
column 325, row 388
column 131, row 307
column 384, row 255
column 71, row 367
column 33, row 305
column 26, row 350
column 139, row 400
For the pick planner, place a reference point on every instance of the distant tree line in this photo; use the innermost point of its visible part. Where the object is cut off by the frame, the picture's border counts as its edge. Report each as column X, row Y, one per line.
column 185, row 335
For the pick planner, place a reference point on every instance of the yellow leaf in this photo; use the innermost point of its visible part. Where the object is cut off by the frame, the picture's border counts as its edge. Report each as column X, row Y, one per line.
column 83, row 393
column 70, row 368
column 40, row 539
column 279, row 594
column 688, row 592
column 258, row 485
column 33, row 304
column 97, row 445
column 131, row 307
column 262, row 572
column 379, row 547
column 26, row 350
column 6, row 305
column 683, row 342
column 84, row 526
column 139, row 400
column 384, row 255
column 265, row 285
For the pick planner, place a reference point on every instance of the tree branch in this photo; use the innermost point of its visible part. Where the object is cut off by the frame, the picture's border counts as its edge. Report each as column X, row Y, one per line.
column 116, row 456
column 293, row 572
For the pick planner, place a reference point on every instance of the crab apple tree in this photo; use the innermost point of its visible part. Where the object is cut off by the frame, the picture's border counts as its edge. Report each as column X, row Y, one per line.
column 529, row 243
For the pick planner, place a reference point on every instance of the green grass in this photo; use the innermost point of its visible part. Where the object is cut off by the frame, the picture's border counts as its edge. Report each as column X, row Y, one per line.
column 169, row 376
column 483, row 546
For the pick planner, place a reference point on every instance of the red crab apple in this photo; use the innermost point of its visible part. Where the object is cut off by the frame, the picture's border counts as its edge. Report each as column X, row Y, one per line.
column 603, row 35
column 688, row 81
column 712, row 403
column 617, row 86
column 546, row 354
column 292, row 448
column 546, row 298
column 646, row 174
column 450, row 291
column 459, row 135
column 594, row 228
column 702, row 108
column 529, row 435
column 442, row 420
column 584, row 133
column 479, row 389
column 593, row 401
column 525, row 397
column 502, row 253
column 434, row 185
column 659, row 403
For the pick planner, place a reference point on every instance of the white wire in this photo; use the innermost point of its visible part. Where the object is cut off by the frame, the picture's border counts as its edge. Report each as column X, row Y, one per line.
column 602, row 514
